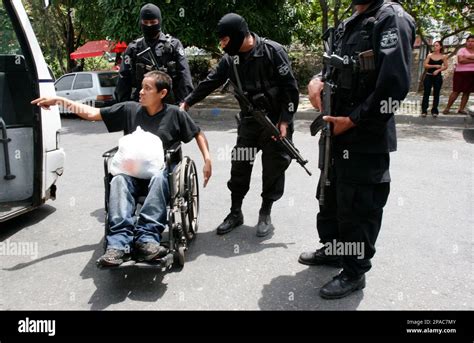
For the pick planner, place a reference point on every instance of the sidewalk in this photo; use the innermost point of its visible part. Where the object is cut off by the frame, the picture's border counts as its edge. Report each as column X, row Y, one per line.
column 218, row 104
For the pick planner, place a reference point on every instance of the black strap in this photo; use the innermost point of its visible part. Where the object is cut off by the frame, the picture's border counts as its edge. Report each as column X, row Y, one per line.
column 237, row 77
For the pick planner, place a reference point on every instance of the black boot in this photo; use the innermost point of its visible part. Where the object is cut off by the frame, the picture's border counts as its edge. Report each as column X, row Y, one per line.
column 149, row 251
column 113, row 258
column 233, row 220
column 319, row 257
column 264, row 226
column 341, row 286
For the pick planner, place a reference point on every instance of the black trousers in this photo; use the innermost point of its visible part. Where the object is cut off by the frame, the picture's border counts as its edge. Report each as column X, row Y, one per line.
column 251, row 139
column 353, row 214
column 429, row 82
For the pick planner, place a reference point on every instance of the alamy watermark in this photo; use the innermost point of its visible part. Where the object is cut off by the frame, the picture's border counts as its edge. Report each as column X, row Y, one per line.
column 238, row 154
column 9, row 248
column 64, row 107
column 37, row 326
column 398, row 106
column 336, row 248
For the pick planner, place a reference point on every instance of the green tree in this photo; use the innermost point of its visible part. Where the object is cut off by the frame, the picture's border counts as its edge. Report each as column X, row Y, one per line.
column 194, row 22
column 63, row 27
column 441, row 19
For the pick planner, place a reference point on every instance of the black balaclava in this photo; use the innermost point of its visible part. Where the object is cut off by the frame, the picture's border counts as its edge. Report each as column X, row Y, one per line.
column 150, row 12
column 236, row 28
column 361, row 2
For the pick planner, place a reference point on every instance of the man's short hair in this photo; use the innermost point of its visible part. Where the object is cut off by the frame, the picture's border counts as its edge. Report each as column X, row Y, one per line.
column 470, row 37
column 162, row 80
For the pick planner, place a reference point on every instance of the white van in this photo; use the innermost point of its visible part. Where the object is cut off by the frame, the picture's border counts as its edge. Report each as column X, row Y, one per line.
column 30, row 158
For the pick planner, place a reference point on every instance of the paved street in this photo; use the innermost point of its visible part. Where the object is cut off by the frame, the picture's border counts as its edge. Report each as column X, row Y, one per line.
column 424, row 254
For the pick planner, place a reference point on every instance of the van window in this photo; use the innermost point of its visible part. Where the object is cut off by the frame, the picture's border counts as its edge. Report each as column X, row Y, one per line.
column 16, row 82
column 65, row 83
column 108, row 79
column 83, row 81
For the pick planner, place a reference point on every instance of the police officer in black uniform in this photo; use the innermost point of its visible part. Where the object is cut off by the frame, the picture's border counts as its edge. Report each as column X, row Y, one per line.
column 364, row 133
column 256, row 65
column 168, row 53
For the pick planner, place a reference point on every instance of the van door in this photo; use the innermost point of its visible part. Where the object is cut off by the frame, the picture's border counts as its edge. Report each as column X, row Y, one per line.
column 28, row 147
column 17, row 119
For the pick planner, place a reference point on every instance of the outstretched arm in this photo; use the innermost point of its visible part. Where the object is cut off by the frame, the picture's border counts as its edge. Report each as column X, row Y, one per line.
column 84, row 111
column 203, row 145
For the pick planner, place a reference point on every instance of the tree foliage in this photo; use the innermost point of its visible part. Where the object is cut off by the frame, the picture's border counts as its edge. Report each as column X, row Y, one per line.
column 434, row 19
column 441, row 19
column 314, row 17
column 67, row 24
column 63, row 27
column 194, row 22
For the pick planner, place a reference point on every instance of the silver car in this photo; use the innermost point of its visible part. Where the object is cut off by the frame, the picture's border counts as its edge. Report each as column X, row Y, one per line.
column 94, row 88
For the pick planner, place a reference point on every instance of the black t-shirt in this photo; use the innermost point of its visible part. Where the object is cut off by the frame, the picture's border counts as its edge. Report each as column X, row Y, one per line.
column 170, row 124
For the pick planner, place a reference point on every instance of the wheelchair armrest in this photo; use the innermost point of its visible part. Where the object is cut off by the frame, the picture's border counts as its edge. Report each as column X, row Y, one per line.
column 110, row 153
column 107, row 156
column 174, row 148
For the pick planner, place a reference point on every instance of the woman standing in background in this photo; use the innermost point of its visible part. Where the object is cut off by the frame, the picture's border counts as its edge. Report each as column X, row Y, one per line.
column 435, row 63
column 463, row 80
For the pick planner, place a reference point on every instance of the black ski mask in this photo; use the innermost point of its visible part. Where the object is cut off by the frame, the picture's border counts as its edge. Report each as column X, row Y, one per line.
column 150, row 12
column 236, row 28
column 361, row 2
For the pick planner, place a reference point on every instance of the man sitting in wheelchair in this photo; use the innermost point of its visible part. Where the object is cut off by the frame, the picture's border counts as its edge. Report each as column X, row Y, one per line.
column 172, row 126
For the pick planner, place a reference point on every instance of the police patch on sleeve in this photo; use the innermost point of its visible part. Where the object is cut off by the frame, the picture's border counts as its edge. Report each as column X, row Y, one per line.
column 181, row 51
column 284, row 69
column 389, row 39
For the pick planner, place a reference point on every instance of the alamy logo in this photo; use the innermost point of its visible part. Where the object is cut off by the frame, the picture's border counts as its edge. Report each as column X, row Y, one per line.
column 336, row 248
column 37, row 326
column 9, row 248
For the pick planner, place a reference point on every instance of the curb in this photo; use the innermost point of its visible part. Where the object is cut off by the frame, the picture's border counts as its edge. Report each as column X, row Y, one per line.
column 441, row 120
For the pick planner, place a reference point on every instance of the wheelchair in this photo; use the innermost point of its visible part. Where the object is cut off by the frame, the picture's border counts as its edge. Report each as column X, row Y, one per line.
column 183, row 208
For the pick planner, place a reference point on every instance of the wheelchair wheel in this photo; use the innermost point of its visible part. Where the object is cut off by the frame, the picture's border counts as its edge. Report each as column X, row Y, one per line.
column 182, row 255
column 189, row 191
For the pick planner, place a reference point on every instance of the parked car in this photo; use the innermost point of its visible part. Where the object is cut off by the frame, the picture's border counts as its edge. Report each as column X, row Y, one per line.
column 94, row 88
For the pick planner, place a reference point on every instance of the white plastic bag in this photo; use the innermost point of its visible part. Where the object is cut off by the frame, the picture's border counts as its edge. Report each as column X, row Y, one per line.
column 140, row 155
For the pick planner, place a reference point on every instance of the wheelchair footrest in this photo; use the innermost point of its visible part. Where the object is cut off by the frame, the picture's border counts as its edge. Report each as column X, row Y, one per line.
column 161, row 263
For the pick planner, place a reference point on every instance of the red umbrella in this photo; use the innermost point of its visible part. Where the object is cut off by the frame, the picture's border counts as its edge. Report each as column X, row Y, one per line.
column 119, row 47
column 98, row 48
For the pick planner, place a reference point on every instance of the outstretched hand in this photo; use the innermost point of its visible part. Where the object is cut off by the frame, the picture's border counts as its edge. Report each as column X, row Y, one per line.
column 45, row 103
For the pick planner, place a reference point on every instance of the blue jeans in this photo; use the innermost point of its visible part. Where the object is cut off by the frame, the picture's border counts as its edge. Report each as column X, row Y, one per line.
column 124, row 227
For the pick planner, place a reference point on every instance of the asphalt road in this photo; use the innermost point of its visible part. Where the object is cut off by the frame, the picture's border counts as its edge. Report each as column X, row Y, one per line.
column 424, row 254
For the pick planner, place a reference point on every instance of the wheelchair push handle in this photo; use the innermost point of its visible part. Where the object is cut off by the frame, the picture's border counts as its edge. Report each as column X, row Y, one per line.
column 110, row 153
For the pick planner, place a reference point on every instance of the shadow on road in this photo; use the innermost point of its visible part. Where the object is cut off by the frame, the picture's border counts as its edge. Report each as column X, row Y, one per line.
column 115, row 286
column 57, row 254
column 99, row 214
column 300, row 292
column 468, row 135
column 426, row 133
column 241, row 241
column 12, row 226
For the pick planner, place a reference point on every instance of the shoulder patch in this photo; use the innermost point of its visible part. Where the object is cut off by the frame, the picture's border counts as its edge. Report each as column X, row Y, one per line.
column 283, row 69
column 181, row 51
column 389, row 39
